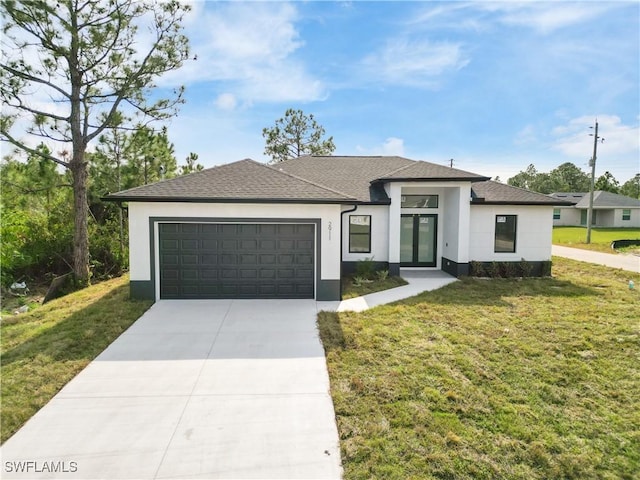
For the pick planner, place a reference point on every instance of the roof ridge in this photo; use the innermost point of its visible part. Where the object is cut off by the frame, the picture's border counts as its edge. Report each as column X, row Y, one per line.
column 318, row 185
column 413, row 162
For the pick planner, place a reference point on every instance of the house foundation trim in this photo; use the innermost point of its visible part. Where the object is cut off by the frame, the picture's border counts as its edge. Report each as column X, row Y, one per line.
column 454, row 268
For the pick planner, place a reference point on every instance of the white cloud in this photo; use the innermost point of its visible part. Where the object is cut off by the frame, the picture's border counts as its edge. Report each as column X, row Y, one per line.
column 252, row 47
column 391, row 146
column 415, row 63
column 546, row 17
column 526, row 136
column 574, row 139
column 226, row 101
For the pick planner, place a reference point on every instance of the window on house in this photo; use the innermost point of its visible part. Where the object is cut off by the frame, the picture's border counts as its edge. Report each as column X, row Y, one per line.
column 505, row 240
column 626, row 214
column 556, row 214
column 359, row 233
column 419, row 201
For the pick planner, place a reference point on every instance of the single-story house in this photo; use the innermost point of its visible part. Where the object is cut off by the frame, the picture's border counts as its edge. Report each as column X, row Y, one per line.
column 609, row 210
column 290, row 230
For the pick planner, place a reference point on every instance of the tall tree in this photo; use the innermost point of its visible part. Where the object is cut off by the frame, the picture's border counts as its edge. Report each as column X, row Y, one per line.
column 564, row 178
column 191, row 164
column 84, row 59
column 608, row 183
column 569, row 178
column 631, row 188
column 524, row 179
column 150, row 157
column 294, row 135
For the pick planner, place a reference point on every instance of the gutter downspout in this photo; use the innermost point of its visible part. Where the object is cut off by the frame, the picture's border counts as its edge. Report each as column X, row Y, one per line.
column 355, row 207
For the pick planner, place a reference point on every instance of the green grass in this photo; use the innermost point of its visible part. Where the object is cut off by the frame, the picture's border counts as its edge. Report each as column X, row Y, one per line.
column 42, row 350
column 486, row 379
column 601, row 238
column 351, row 290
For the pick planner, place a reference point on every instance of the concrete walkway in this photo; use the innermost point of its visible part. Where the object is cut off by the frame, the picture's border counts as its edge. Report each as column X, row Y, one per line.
column 630, row 263
column 193, row 389
column 418, row 281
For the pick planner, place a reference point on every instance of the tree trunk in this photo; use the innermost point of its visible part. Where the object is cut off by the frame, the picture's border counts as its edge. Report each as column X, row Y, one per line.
column 81, row 213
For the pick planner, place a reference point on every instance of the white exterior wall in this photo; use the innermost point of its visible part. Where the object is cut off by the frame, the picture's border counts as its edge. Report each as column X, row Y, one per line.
column 569, row 217
column 394, row 191
column 455, row 244
column 533, row 233
column 140, row 212
column 606, row 218
column 633, row 222
column 379, row 234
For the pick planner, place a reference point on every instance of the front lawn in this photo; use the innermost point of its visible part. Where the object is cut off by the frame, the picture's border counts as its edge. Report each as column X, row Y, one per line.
column 42, row 350
column 485, row 379
column 601, row 238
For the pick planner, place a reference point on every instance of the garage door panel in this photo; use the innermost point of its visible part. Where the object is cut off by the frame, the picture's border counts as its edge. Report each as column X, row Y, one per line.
column 304, row 259
column 188, row 228
column 248, row 259
column 249, row 273
column 267, row 273
column 236, row 260
column 209, row 244
column 286, row 259
column 265, row 259
column 229, row 273
column 209, row 259
column 189, row 259
column 170, row 260
column 286, row 245
column 228, row 259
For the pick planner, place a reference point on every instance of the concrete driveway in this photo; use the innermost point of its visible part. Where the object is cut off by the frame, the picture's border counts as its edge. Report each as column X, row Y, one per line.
column 630, row 263
column 194, row 389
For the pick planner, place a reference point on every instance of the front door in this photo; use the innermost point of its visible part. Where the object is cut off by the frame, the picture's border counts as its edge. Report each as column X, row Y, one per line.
column 418, row 234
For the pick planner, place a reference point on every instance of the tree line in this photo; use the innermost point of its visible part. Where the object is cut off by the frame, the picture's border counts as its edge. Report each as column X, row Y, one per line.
column 37, row 223
column 569, row 178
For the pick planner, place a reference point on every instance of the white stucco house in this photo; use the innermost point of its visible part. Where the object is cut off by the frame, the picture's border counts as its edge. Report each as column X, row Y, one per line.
column 290, row 230
column 610, row 210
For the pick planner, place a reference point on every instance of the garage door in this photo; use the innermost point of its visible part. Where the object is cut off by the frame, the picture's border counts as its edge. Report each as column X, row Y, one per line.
column 208, row 260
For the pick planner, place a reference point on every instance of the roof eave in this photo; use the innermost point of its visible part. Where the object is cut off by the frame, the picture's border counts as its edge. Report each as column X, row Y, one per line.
column 227, row 200
column 431, row 179
column 505, row 202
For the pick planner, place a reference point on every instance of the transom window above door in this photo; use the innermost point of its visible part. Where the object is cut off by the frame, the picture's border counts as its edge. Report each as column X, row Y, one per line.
column 419, row 201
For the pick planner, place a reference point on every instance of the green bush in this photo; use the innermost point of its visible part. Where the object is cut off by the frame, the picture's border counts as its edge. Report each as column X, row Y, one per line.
column 476, row 269
column 382, row 275
column 366, row 268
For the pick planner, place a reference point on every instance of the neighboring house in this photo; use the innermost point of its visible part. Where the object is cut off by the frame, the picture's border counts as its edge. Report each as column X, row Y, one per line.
column 609, row 210
column 289, row 230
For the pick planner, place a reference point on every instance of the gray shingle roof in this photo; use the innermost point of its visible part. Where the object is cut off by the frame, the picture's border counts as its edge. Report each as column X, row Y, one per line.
column 243, row 180
column 320, row 179
column 498, row 193
column 572, row 197
column 601, row 199
column 431, row 171
column 350, row 174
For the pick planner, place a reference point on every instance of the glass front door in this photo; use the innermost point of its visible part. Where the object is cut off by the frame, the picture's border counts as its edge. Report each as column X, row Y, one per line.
column 418, row 234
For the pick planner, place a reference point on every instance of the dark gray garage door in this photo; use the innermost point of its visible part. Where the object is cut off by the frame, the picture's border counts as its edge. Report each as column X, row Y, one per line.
column 206, row 260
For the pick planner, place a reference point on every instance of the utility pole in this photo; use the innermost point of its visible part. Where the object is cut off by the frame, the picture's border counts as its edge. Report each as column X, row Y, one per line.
column 593, row 179
column 451, row 163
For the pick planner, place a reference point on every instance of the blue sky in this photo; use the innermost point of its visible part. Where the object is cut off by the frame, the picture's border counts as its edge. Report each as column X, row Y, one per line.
column 495, row 86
